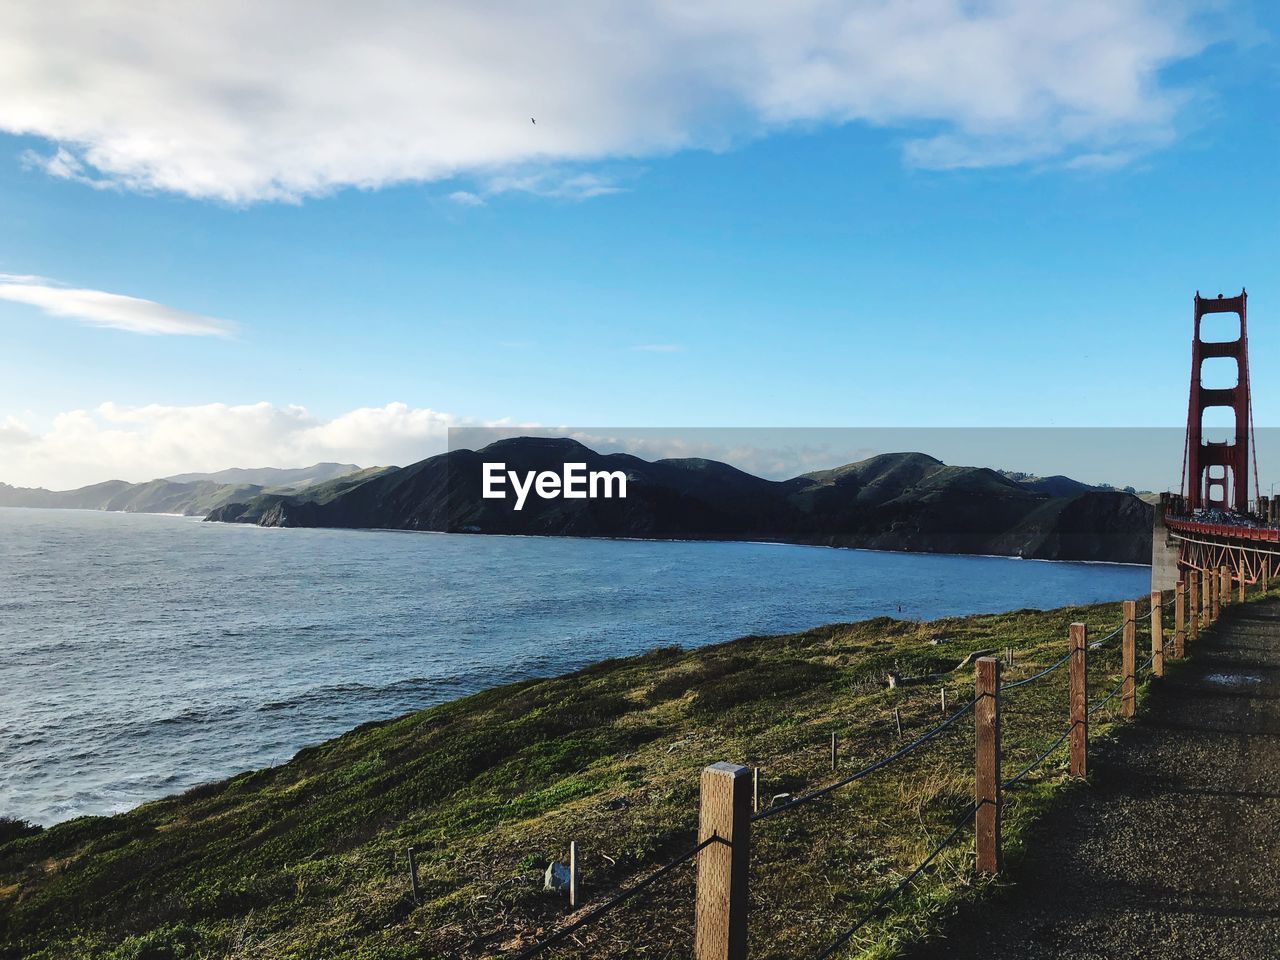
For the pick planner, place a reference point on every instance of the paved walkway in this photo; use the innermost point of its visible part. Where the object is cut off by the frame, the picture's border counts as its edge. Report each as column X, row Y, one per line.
column 1173, row 850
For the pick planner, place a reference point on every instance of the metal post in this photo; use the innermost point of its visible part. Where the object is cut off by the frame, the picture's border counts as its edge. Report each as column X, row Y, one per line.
column 720, row 912
column 573, row 873
column 833, row 750
column 1128, row 659
column 986, row 714
column 1078, row 667
column 413, row 873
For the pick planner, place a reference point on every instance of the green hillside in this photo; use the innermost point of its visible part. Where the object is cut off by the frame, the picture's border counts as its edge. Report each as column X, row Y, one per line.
column 308, row 859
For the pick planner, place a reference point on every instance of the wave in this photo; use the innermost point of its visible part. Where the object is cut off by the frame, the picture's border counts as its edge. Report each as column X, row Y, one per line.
column 348, row 692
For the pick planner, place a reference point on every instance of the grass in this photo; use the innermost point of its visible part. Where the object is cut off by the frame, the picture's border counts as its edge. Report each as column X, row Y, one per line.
column 308, row 859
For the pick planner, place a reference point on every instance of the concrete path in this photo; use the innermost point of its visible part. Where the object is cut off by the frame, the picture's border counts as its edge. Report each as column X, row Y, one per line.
column 1173, row 850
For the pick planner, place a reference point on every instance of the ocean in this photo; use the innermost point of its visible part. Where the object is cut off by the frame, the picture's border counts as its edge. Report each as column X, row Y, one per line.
column 145, row 654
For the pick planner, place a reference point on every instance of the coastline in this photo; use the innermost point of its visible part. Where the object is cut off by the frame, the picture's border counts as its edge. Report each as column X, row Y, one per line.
column 562, row 536
column 607, row 754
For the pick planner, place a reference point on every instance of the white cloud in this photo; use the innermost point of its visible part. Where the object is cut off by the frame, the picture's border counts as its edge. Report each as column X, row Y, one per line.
column 102, row 309
column 466, row 198
column 140, row 443
column 246, row 101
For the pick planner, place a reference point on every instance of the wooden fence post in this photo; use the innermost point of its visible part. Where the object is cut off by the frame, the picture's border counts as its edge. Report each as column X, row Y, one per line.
column 1128, row 659
column 720, row 912
column 833, row 750
column 1214, row 579
column 1179, row 619
column 1078, row 668
column 1241, row 572
column 755, row 789
column 1193, row 605
column 986, row 712
column 1157, row 635
column 1206, row 586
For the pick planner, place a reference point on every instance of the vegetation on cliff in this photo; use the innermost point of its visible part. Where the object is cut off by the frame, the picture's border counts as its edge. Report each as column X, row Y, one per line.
column 308, row 859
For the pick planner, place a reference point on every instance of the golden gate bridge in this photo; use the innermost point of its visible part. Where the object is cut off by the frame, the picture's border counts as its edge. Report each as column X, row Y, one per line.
column 1211, row 537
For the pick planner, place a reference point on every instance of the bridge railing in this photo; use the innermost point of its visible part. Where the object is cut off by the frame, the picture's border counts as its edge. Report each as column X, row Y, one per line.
column 730, row 809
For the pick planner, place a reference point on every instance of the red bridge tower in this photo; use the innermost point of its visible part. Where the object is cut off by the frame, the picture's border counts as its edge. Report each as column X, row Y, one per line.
column 1218, row 472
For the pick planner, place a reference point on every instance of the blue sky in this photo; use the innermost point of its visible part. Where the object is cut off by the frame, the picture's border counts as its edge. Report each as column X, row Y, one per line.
column 811, row 270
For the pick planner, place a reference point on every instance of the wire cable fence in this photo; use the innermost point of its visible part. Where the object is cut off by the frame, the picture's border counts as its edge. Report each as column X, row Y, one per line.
column 1061, row 661
column 1017, row 777
column 869, row 768
column 1034, row 710
column 957, row 827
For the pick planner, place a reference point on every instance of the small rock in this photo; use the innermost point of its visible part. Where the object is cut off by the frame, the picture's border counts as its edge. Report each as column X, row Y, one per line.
column 779, row 798
column 556, row 879
column 617, row 803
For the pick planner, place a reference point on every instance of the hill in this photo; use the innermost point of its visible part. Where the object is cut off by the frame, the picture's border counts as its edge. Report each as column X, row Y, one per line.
column 897, row 501
column 308, row 859
column 298, row 477
column 195, row 494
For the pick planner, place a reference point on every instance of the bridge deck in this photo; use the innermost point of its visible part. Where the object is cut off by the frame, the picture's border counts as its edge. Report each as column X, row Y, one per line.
column 1173, row 850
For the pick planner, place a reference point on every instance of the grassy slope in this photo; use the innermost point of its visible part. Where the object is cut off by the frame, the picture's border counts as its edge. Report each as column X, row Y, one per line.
column 307, row 859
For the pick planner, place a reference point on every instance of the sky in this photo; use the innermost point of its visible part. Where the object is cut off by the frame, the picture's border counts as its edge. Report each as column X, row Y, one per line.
column 244, row 234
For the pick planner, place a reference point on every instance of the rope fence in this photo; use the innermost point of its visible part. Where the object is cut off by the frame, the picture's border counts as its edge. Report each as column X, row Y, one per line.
column 729, row 792
column 957, row 828
column 868, row 769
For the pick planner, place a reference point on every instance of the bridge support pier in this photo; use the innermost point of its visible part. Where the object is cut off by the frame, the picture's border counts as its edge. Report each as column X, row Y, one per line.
column 1164, row 554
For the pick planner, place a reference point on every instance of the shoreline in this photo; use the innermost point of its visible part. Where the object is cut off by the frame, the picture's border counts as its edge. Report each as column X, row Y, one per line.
column 563, row 536
column 487, row 786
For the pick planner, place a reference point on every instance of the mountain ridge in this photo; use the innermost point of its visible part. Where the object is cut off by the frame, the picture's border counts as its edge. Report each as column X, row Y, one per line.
column 192, row 494
column 896, row 501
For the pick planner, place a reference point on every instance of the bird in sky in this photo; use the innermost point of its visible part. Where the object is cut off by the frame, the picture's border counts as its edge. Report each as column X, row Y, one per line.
column 533, row 121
